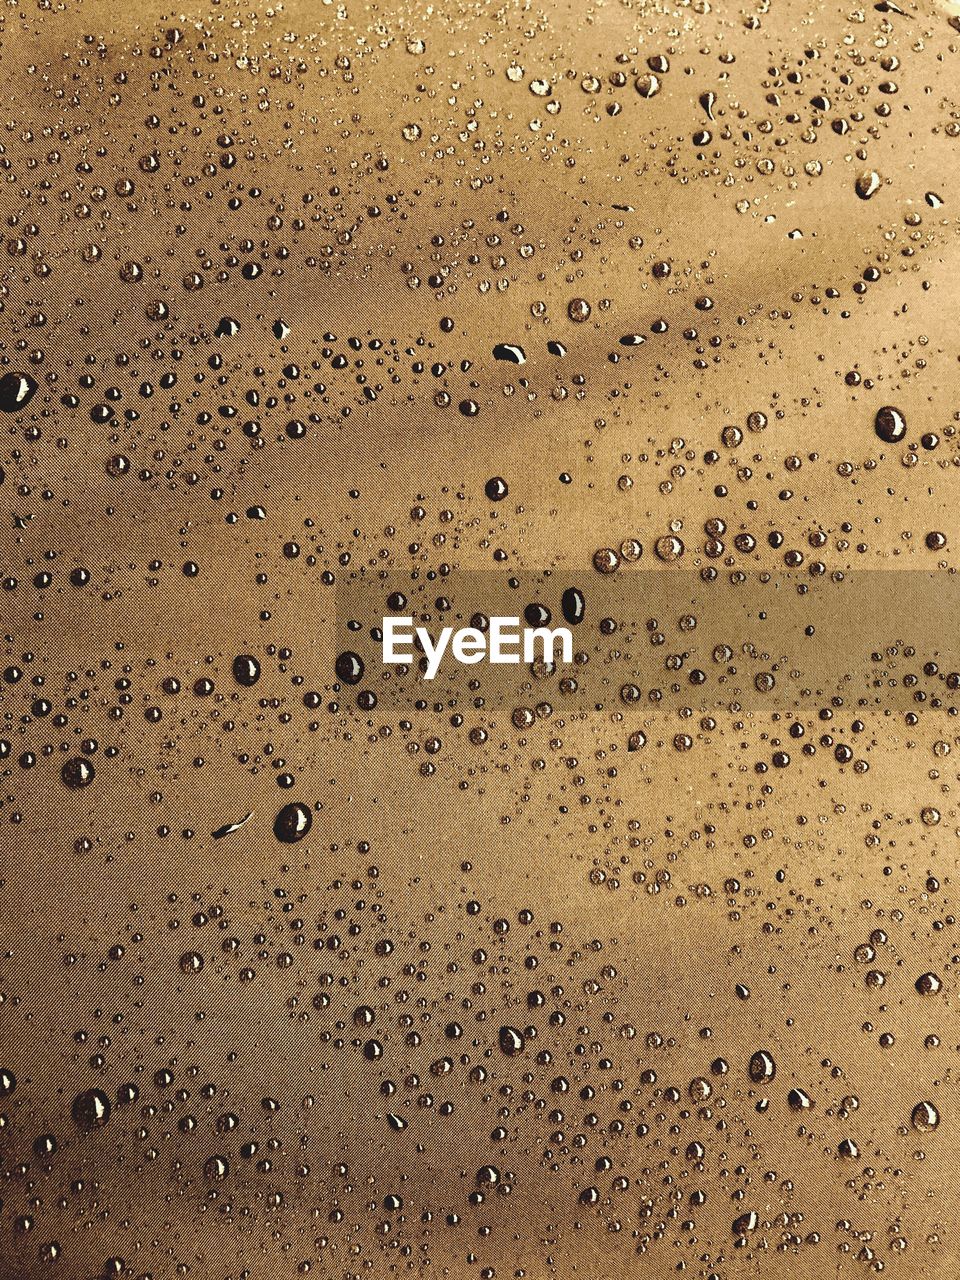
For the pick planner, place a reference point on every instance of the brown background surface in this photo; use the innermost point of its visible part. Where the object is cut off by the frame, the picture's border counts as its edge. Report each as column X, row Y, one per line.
column 680, row 907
